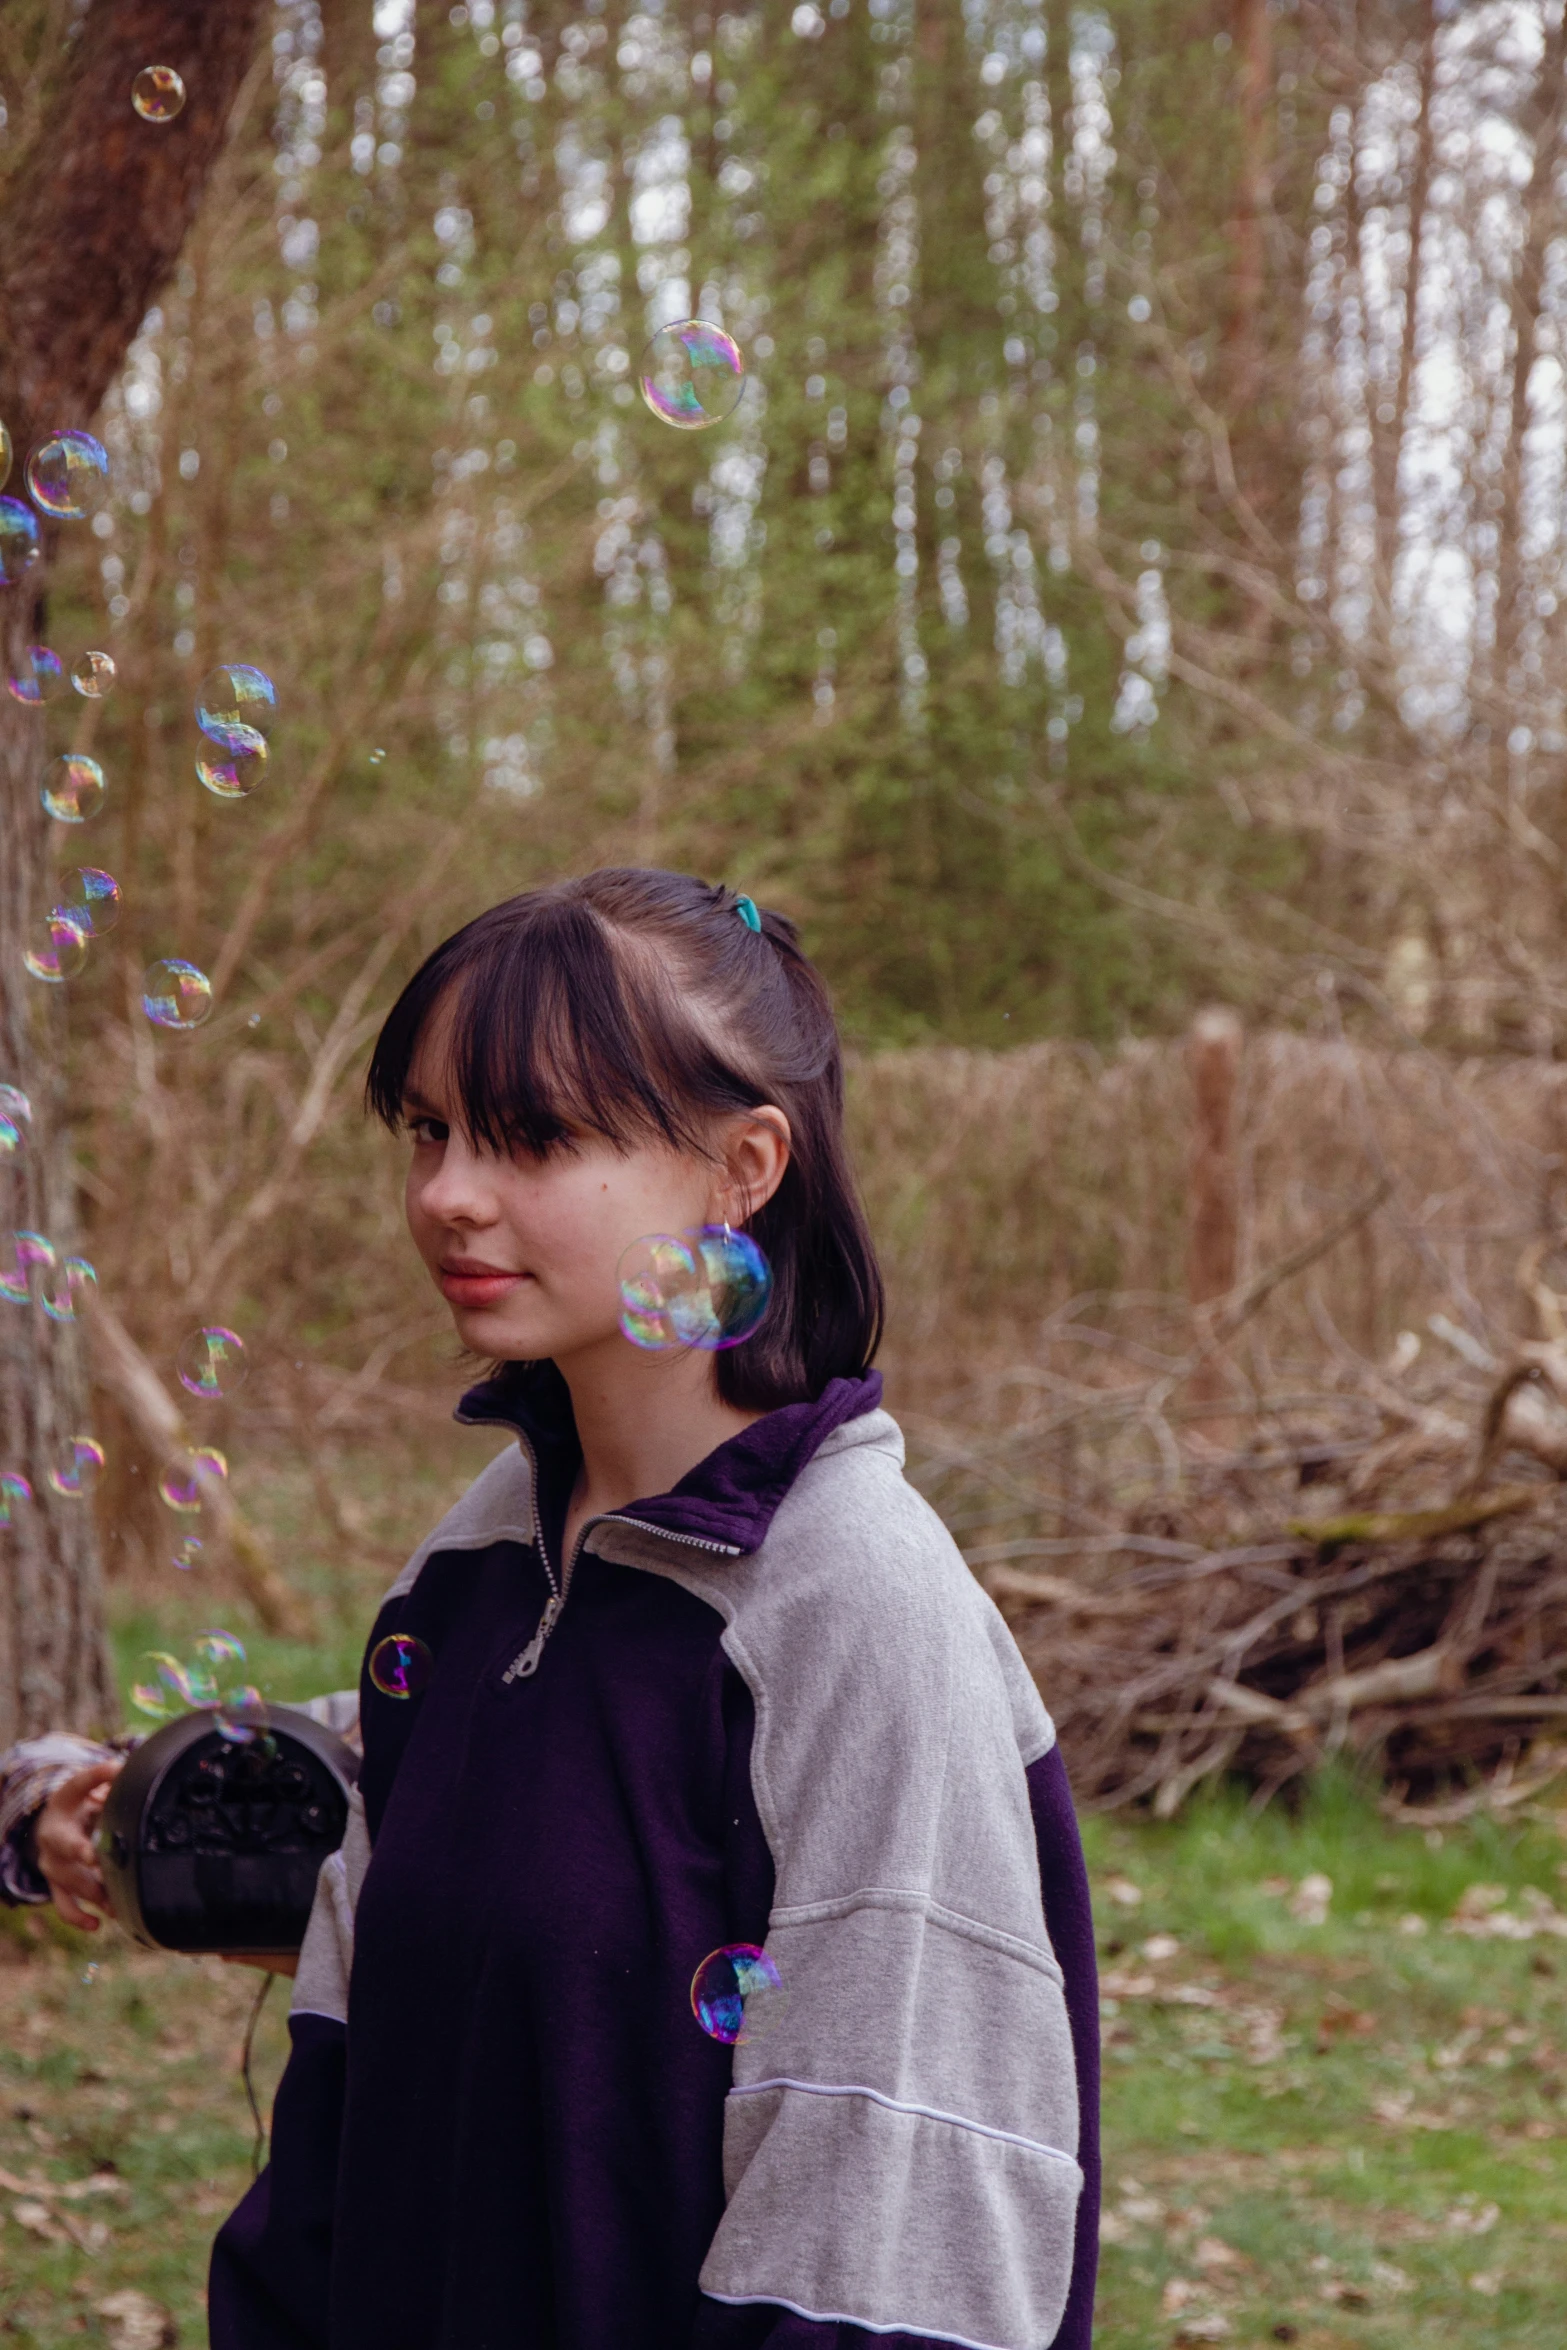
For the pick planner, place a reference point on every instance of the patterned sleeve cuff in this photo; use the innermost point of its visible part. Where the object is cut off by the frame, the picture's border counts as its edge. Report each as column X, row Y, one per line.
column 29, row 1774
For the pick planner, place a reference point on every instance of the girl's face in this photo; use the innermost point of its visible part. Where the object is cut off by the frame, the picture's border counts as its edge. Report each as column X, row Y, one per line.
column 526, row 1251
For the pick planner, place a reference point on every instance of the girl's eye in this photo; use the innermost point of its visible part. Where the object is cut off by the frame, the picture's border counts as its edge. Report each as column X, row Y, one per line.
column 428, row 1130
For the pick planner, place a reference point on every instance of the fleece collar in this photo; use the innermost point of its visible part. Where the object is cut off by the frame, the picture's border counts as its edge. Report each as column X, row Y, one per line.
column 731, row 1497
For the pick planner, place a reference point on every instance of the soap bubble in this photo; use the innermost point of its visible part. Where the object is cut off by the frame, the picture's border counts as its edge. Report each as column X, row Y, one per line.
column 211, row 1362
column 73, row 788
column 56, row 946
column 400, row 1665
column 20, row 545
column 92, row 897
column 76, row 1278
column 737, row 1994
column 655, row 1273
column 708, row 1289
column 68, row 476
column 157, row 93
column 220, row 1649
column 188, row 1554
column 5, row 455
column 30, row 1253
column 39, row 678
column 79, row 1469
column 235, row 704
column 234, row 1719
column 176, row 994
column 692, row 375
column 232, row 770
column 184, row 1478
column 93, row 675
column 13, row 1489
column 16, row 1112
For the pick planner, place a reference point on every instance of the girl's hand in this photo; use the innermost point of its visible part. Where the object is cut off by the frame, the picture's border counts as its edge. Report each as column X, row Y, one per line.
column 271, row 1962
column 63, row 1844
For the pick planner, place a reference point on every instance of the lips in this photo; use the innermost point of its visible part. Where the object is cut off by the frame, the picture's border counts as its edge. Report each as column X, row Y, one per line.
column 466, row 1281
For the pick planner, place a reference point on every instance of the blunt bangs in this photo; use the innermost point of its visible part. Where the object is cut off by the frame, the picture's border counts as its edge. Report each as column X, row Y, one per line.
column 641, row 1006
column 548, row 1032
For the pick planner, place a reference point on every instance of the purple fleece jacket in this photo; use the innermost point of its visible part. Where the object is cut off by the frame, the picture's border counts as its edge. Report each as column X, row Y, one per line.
column 516, row 2144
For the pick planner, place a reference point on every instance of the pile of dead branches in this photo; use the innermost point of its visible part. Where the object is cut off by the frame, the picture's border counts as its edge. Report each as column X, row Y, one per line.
column 1210, row 1576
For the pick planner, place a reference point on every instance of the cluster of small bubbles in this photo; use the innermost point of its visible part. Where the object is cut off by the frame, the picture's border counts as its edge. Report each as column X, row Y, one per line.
column 158, row 93
column 400, row 1665
column 188, row 1554
column 73, row 788
column 708, row 1288
column 56, row 946
column 92, row 897
column 183, row 1479
column 212, row 1678
column 235, row 704
column 39, row 678
column 93, row 675
column 692, row 375
column 737, row 1994
column 68, row 476
column 211, row 1362
column 176, row 994
column 75, row 1278
column 79, row 1468
column 233, row 772
column 16, row 1112
column 31, row 1254
column 20, row 544
column 14, row 1489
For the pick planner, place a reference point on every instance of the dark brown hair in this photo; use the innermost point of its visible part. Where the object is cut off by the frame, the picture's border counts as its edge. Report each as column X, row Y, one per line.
column 641, row 1005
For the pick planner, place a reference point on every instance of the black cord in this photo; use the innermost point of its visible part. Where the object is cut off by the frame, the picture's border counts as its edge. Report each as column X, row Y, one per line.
column 244, row 2065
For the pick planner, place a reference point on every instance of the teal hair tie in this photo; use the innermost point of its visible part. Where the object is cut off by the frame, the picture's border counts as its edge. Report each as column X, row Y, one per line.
column 748, row 914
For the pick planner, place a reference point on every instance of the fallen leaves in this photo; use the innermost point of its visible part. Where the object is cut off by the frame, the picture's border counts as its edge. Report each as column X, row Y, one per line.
column 137, row 2322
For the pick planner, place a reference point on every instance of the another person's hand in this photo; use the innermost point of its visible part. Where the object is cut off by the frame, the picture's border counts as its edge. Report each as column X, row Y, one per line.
column 63, row 1843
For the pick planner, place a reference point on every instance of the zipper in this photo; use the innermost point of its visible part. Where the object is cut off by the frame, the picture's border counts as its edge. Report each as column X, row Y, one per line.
column 526, row 1664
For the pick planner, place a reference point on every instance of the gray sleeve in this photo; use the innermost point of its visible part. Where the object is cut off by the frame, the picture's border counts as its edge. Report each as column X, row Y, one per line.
column 900, row 2147
column 29, row 1774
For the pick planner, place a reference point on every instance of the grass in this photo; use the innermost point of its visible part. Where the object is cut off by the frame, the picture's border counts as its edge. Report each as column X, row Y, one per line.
column 1346, row 2134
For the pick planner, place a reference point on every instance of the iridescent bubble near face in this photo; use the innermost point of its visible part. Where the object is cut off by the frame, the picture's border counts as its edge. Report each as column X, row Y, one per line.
column 93, row 675
column 14, row 1490
column 185, row 1478
column 56, row 946
column 737, row 1994
column 176, row 994
column 220, row 1649
column 232, row 770
column 78, row 1469
column 38, row 678
column 16, row 1115
column 239, row 1717
column 68, row 476
column 235, row 704
column 74, row 1282
column 30, row 1261
column 709, row 1289
column 692, row 375
column 19, row 541
column 5, row 454
column 211, row 1362
column 74, row 788
column 157, row 93
column 91, row 896
column 188, row 1554
column 400, row 1665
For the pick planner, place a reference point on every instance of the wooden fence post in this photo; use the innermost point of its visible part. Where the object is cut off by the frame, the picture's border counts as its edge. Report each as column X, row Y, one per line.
column 1213, row 1055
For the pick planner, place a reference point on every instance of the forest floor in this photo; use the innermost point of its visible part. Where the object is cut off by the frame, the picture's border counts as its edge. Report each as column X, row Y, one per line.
column 1335, row 2058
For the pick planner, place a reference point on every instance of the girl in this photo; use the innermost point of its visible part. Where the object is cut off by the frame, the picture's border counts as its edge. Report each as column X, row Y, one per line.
column 690, row 1667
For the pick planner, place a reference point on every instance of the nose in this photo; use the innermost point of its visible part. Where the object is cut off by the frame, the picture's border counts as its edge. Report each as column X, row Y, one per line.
column 460, row 1191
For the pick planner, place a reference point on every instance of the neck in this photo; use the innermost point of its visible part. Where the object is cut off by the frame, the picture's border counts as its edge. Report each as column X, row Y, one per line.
column 643, row 1421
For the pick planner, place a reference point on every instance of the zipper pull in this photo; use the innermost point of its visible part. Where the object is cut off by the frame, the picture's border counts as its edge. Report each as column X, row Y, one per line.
column 522, row 1666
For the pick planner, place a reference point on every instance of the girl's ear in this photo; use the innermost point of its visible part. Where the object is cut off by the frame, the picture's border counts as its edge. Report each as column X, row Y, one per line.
column 754, row 1151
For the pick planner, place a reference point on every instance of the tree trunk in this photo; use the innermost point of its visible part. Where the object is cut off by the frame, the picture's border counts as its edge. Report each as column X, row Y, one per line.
column 1213, row 1057
column 116, row 195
